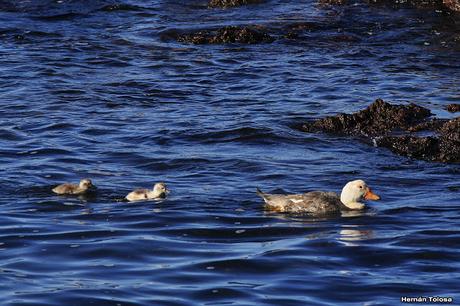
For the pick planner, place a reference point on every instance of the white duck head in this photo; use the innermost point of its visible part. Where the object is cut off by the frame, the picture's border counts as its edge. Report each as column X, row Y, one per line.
column 356, row 191
column 85, row 184
column 160, row 190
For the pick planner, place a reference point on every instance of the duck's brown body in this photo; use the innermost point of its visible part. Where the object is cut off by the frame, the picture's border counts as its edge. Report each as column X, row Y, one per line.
column 139, row 194
column 85, row 186
column 144, row 194
column 315, row 202
column 159, row 191
column 69, row 189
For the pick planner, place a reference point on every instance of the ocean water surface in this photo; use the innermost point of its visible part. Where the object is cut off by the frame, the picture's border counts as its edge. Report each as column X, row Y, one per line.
column 100, row 89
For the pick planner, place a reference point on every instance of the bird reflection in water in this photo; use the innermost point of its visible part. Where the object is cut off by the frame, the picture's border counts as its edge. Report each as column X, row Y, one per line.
column 351, row 235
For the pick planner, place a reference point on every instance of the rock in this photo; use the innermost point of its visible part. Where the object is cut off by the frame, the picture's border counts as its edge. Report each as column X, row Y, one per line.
column 231, row 3
column 411, row 146
column 377, row 119
column 226, row 35
column 453, row 108
column 454, row 5
column 333, row 2
column 450, row 131
column 432, row 125
column 382, row 121
column 450, row 142
column 445, row 148
column 197, row 38
column 420, row 4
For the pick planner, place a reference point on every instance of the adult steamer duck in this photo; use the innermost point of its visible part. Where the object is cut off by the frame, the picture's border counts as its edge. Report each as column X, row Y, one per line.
column 321, row 202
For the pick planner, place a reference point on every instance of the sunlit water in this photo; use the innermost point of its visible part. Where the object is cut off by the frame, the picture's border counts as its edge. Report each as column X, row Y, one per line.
column 102, row 91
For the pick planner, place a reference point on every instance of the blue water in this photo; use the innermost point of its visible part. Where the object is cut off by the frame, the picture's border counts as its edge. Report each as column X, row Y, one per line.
column 101, row 90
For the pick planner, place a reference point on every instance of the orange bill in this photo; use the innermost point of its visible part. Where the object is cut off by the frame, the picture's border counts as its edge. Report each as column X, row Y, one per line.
column 371, row 196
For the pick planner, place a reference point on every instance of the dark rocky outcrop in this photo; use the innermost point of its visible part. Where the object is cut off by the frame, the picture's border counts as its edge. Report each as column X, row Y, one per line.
column 426, row 148
column 226, row 35
column 231, row 3
column 318, row 33
column 453, row 108
column 411, row 146
column 394, row 127
column 454, row 5
column 333, row 2
column 421, row 4
column 444, row 148
column 450, row 131
column 377, row 119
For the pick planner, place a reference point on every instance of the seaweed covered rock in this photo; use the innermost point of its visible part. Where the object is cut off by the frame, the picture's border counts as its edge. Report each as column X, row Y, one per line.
column 382, row 121
column 231, row 3
column 416, row 147
column 450, row 131
column 454, row 5
column 377, row 119
column 450, row 141
column 453, row 108
column 333, row 2
column 226, row 35
column 434, row 124
column 420, row 4
column 444, row 148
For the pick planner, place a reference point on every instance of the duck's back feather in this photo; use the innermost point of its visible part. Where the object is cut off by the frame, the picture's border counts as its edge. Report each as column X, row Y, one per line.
column 141, row 191
column 67, row 189
column 315, row 202
column 138, row 194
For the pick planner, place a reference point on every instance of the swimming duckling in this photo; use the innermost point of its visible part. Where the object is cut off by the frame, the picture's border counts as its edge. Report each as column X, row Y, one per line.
column 159, row 191
column 320, row 202
column 83, row 187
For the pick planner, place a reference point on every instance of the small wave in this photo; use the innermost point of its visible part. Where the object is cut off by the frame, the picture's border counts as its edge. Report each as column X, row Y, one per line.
column 11, row 135
column 243, row 134
column 120, row 7
column 407, row 210
column 238, row 234
column 57, row 17
column 45, row 151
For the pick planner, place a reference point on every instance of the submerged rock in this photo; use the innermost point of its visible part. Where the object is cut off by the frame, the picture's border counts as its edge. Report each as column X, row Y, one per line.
column 231, row 3
column 453, row 108
column 382, row 121
column 226, row 35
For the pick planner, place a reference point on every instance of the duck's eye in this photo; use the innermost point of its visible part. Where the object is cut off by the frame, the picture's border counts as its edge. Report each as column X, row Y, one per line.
column 360, row 187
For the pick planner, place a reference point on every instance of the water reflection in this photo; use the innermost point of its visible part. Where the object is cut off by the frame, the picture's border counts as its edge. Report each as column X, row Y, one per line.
column 351, row 235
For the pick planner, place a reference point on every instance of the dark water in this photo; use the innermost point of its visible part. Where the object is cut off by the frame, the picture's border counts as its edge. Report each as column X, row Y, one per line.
column 99, row 89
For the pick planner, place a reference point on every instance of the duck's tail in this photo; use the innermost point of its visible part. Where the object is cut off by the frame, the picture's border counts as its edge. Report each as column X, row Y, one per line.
column 118, row 199
column 260, row 193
